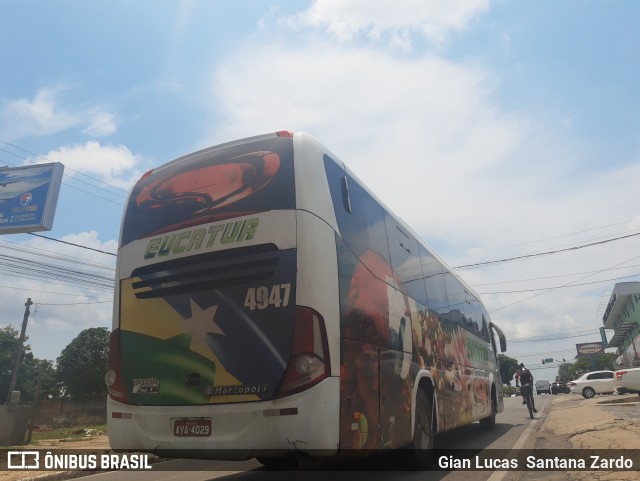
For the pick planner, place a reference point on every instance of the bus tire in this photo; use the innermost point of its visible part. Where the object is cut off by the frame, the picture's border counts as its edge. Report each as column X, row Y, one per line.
column 489, row 422
column 420, row 449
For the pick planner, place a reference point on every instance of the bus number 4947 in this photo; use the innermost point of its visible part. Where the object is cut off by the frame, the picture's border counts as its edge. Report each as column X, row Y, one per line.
column 263, row 296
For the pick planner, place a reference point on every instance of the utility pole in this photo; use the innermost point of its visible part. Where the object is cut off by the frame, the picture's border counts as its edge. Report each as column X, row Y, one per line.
column 16, row 365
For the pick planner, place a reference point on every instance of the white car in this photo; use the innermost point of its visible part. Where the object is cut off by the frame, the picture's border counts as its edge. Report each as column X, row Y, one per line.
column 628, row 380
column 592, row 383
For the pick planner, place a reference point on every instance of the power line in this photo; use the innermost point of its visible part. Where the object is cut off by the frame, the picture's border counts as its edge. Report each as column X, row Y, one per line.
column 68, row 177
column 52, row 255
column 557, row 236
column 557, row 251
column 548, row 277
column 69, row 168
column 87, row 281
column 558, row 287
column 72, row 244
column 567, row 284
column 548, row 338
column 72, row 303
column 51, row 278
column 43, row 292
column 542, row 353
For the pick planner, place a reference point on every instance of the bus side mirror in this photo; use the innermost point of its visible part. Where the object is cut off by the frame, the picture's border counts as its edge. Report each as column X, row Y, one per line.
column 501, row 336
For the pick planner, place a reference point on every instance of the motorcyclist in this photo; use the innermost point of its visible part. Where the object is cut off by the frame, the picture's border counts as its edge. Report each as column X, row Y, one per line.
column 526, row 385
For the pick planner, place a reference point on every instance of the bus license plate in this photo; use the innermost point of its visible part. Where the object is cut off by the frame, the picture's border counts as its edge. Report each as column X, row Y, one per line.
column 192, row 428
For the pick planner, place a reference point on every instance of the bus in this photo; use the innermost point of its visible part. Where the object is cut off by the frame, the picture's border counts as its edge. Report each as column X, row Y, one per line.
column 268, row 305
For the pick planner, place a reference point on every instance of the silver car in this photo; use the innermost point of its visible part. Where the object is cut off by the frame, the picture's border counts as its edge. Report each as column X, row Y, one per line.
column 592, row 383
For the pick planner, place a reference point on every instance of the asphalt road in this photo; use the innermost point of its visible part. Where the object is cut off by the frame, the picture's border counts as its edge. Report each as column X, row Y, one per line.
column 514, row 429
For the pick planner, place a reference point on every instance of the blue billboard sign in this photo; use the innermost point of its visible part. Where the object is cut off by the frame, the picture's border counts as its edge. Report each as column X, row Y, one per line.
column 28, row 197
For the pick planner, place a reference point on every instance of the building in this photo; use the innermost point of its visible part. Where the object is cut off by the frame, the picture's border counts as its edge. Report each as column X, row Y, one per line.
column 623, row 316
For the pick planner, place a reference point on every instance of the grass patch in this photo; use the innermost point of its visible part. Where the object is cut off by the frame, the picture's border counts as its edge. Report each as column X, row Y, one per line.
column 70, row 433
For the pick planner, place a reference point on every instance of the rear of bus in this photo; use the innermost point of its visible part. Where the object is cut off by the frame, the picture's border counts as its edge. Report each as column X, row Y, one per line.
column 223, row 327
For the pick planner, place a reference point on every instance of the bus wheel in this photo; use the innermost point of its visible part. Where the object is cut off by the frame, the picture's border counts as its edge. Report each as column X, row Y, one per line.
column 489, row 422
column 422, row 445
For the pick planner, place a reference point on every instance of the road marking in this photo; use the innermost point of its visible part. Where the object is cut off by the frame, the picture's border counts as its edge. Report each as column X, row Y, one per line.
column 499, row 475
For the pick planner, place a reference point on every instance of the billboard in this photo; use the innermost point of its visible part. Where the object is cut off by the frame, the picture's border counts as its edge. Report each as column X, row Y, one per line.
column 588, row 348
column 28, row 197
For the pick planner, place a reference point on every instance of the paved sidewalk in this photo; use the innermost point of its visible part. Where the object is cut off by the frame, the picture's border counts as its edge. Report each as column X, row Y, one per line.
column 603, row 422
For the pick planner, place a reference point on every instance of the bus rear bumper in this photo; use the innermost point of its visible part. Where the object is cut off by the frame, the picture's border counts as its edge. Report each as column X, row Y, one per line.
column 307, row 423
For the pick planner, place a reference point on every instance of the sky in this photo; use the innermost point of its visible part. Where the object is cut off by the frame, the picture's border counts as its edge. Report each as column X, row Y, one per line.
column 496, row 129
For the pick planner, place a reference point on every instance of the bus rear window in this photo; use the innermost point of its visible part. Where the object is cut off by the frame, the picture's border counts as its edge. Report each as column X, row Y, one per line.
column 212, row 185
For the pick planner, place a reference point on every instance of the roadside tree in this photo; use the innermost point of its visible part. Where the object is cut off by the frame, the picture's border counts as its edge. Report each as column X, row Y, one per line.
column 9, row 338
column 597, row 362
column 82, row 364
column 34, row 370
column 563, row 373
column 508, row 367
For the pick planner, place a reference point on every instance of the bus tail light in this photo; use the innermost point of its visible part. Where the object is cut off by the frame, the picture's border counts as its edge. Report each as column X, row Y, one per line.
column 619, row 374
column 309, row 361
column 113, row 376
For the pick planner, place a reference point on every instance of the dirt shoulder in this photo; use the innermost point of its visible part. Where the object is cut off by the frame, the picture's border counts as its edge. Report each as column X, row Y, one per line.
column 98, row 444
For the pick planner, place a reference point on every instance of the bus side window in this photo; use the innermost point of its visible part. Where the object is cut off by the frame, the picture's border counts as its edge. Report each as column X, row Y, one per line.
column 455, row 292
column 470, row 315
column 487, row 333
column 433, row 273
column 405, row 261
column 475, row 316
column 368, row 221
column 338, row 187
column 482, row 323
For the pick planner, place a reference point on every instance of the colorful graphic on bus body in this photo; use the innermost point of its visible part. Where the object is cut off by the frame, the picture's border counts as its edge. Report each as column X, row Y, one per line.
column 391, row 328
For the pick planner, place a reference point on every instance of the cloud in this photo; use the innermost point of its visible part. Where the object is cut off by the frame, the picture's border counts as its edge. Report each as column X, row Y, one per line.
column 432, row 19
column 44, row 115
column 425, row 123
column 39, row 116
column 428, row 136
column 113, row 164
column 102, row 124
